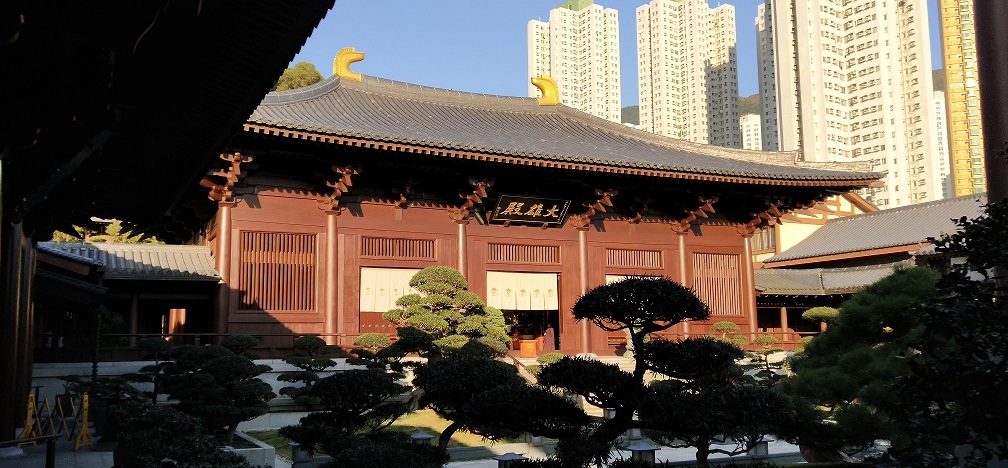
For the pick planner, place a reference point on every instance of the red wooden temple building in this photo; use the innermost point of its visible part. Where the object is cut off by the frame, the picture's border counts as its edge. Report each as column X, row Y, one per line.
column 332, row 196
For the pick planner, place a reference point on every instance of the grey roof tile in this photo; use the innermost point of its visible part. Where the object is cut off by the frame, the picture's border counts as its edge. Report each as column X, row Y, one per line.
column 903, row 226
column 396, row 112
column 819, row 281
column 144, row 261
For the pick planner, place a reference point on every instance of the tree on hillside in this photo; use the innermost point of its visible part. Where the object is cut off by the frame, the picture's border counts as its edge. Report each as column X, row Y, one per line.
column 847, row 372
column 300, row 75
column 749, row 104
column 630, row 114
column 953, row 401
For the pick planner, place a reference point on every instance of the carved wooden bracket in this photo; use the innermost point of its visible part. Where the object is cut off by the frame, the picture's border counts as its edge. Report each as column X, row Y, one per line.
column 462, row 213
column 224, row 192
column 341, row 185
column 402, row 201
column 682, row 226
column 769, row 216
column 583, row 220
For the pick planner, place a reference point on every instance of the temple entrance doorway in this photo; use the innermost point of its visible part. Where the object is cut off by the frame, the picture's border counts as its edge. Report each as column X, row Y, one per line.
column 531, row 307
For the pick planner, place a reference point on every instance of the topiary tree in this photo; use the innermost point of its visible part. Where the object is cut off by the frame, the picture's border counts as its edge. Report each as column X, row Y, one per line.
column 357, row 406
column 150, row 433
column 724, row 327
column 309, row 358
column 847, row 372
column 158, row 349
column 823, row 315
column 450, row 314
column 706, row 366
column 218, row 384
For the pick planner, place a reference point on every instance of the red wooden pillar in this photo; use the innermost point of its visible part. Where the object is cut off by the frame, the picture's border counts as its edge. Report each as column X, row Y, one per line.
column 583, row 262
column 749, row 285
column 462, row 257
column 332, row 324
column 223, row 305
column 682, row 273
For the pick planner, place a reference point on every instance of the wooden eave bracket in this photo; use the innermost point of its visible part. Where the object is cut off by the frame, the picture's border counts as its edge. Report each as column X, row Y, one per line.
column 682, row 226
column 340, row 185
column 583, row 220
column 462, row 213
column 224, row 192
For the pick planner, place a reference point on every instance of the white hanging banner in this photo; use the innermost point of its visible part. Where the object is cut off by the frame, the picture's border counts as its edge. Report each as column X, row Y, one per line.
column 380, row 288
column 610, row 279
column 522, row 291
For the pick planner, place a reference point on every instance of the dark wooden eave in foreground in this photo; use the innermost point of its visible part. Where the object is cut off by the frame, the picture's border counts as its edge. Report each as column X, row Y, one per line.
column 115, row 108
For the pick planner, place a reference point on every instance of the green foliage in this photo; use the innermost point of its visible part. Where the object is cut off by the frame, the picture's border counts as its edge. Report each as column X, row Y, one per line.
column 641, row 304
column 156, row 348
column 724, row 327
column 300, row 75
column 433, row 280
column 149, row 433
column 372, row 341
column 110, row 231
column 821, row 314
column 549, row 358
column 847, row 372
column 448, row 313
column 309, row 358
column 239, row 344
column 601, row 384
column 218, row 386
column 357, row 408
column 952, row 401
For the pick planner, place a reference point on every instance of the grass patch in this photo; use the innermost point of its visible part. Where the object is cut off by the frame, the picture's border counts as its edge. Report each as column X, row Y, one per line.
column 423, row 420
column 273, row 438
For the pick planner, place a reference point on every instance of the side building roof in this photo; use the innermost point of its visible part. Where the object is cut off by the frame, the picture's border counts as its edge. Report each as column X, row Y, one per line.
column 819, row 281
column 144, row 261
column 908, row 226
column 497, row 128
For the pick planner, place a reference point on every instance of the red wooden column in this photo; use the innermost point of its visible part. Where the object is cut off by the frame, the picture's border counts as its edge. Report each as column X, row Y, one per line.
column 462, row 215
column 748, row 277
column 682, row 229
column 332, row 324
column 221, row 184
column 784, row 325
column 223, row 305
column 583, row 275
column 332, row 320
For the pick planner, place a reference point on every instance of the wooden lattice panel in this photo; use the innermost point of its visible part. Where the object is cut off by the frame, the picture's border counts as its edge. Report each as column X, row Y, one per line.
column 516, row 253
column 717, row 280
column 387, row 247
column 278, row 271
column 634, row 258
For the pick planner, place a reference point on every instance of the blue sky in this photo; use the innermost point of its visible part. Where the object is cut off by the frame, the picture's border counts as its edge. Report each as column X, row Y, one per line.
column 479, row 46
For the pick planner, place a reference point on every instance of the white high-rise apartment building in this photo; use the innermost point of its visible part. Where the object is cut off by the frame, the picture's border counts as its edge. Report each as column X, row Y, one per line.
column 854, row 84
column 579, row 49
column 749, row 125
column 767, row 86
column 687, row 70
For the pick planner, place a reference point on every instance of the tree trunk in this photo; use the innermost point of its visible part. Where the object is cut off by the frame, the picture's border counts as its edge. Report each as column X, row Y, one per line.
column 446, row 436
column 229, row 436
column 703, row 451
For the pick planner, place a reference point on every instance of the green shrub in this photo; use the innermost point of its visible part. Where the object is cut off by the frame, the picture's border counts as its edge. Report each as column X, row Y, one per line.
column 821, row 314
column 435, row 279
column 372, row 341
column 549, row 358
column 724, row 327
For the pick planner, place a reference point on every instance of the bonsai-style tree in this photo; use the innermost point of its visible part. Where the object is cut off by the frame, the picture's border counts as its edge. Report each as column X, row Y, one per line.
column 447, row 311
column 310, row 359
column 150, row 433
column 847, row 372
column 158, row 349
column 705, row 367
column 218, row 384
column 953, row 400
column 725, row 327
column 707, row 401
column 357, row 406
column 823, row 315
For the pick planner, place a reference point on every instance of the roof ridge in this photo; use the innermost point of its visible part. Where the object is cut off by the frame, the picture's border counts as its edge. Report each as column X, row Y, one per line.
column 981, row 197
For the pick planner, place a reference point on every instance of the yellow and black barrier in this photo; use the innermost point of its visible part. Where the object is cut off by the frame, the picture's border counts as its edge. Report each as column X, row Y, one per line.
column 67, row 417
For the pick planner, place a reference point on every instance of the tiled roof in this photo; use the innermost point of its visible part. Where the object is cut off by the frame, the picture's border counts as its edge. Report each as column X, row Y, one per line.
column 819, row 281
column 144, row 261
column 905, row 226
column 400, row 113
